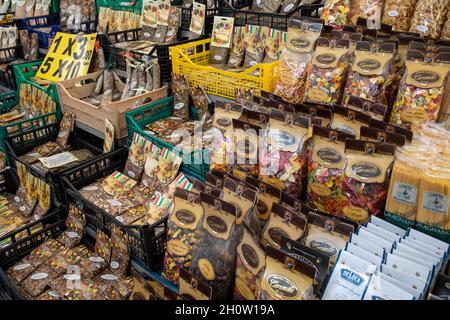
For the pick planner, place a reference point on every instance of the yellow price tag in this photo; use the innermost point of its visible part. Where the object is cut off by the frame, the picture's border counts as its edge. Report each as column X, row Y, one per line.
column 69, row 57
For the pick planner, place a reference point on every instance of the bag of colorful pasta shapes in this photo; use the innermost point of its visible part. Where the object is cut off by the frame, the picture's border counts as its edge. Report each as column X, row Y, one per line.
column 327, row 73
column 283, row 160
column 326, row 160
column 366, row 176
column 422, row 88
column 368, row 75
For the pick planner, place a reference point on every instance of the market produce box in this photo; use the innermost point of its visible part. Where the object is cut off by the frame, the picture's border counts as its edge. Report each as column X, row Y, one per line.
column 71, row 95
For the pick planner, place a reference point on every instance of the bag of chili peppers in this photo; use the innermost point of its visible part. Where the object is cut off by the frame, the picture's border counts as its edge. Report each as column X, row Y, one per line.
column 365, row 181
column 421, row 93
column 326, row 160
column 290, row 77
column 283, row 160
column 367, row 77
column 327, row 73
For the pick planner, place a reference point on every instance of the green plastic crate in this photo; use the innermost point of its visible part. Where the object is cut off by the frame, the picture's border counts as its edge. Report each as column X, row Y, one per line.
column 134, row 6
column 139, row 118
column 8, row 100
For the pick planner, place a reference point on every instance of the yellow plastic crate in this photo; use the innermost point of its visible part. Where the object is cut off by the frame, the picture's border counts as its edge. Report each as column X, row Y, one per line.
column 192, row 59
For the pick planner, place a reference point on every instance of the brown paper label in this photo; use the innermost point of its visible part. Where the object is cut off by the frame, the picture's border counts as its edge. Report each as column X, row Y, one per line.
column 317, row 95
column 177, row 247
column 320, row 189
column 206, row 269
column 246, row 292
column 414, row 115
column 356, row 214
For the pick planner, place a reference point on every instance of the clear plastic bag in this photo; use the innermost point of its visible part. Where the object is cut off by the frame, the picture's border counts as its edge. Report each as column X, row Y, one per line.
column 429, row 17
column 398, row 14
column 335, row 12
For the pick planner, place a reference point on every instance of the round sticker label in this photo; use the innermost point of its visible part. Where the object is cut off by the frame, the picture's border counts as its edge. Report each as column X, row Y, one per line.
column 73, row 234
column 39, row 276
column 422, row 28
column 97, row 259
column 114, row 265
column 72, row 277
column 393, row 13
column 22, row 266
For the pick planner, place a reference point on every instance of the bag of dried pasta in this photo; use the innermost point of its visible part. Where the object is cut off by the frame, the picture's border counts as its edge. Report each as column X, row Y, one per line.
column 367, row 9
column 221, row 39
column 326, row 75
column 398, row 14
column 290, row 75
column 366, row 176
column 429, row 17
column 238, row 50
column 275, row 43
column 335, row 12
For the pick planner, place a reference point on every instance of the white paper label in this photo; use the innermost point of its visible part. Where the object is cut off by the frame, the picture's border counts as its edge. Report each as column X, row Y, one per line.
column 62, row 134
column 147, row 34
column 90, row 188
column 145, row 182
column 34, row 154
column 22, row 208
column 405, row 193
column 120, row 219
column 178, row 106
column 158, row 35
column 435, row 201
column 16, row 199
column 72, row 277
column 21, row 267
column 97, row 259
column 422, row 28
column 54, row 294
column 289, row 7
column 131, row 174
column 114, row 202
column 73, row 235
column 39, row 276
column 217, row 57
column 232, row 61
column 109, row 277
column 393, row 13
column 253, row 63
column 114, row 265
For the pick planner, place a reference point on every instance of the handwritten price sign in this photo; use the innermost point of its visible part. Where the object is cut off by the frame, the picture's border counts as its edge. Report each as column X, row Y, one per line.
column 69, row 57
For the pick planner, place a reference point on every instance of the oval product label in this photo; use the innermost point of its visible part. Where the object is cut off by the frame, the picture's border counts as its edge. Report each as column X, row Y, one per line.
column 206, row 269
column 54, row 294
column 109, row 277
column 369, row 64
column 90, row 188
column 177, row 247
column 114, row 202
column 289, row 7
column 300, row 43
column 282, row 138
column 320, row 189
column 131, row 174
column 345, row 129
column 281, row 286
column 425, row 77
column 422, row 28
column 224, row 122
column 185, row 217
column 276, row 233
column 326, row 58
column 120, row 219
column 17, row 199
column 62, row 134
column 366, row 170
column 393, row 13
column 250, row 256
column 114, row 265
column 253, row 63
column 72, row 277
column 22, row 266
column 414, row 115
column 232, row 61
column 245, row 146
column 147, row 34
column 178, row 106
column 73, row 234
column 324, row 246
column 356, row 214
column 217, row 224
column 97, row 259
column 219, row 58
column 39, row 276
column 329, row 155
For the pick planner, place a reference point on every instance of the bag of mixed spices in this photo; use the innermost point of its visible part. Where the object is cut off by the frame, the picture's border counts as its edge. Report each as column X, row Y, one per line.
column 214, row 254
column 326, row 160
column 290, row 77
column 367, row 77
column 283, row 160
column 421, row 92
column 181, row 226
column 250, row 263
column 327, row 73
column 365, row 181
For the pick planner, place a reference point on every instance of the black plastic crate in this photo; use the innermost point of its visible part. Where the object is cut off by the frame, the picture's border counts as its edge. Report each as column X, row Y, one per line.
column 86, row 27
column 243, row 14
column 9, row 182
column 17, row 145
column 7, row 79
column 147, row 243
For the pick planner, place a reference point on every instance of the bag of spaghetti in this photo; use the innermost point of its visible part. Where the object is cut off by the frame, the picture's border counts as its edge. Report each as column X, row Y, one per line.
column 367, row 76
column 283, row 161
column 434, row 193
column 365, row 181
column 398, row 14
column 428, row 18
column 327, row 73
column 335, row 12
column 326, row 160
column 291, row 73
column 420, row 96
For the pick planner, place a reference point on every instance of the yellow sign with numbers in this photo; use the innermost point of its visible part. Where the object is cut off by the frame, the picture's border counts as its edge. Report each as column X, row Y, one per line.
column 69, row 57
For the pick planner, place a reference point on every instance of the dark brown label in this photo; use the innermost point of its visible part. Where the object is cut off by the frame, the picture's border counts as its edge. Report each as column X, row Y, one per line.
column 185, row 216
column 300, row 43
column 262, row 208
column 276, row 233
column 425, row 77
column 369, row 64
column 217, row 224
column 326, row 58
column 366, row 170
column 224, row 122
column 282, row 286
column 329, row 155
column 250, row 255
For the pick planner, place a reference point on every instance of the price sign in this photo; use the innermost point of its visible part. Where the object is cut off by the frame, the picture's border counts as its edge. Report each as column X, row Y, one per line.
column 69, row 57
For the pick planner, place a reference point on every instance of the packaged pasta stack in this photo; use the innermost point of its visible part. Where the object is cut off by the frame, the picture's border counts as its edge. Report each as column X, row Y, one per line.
column 367, row 9
column 398, row 14
column 422, row 87
column 335, row 12
column 429, row 17
column 445, row 35
column 290, row 78
column 420, row 183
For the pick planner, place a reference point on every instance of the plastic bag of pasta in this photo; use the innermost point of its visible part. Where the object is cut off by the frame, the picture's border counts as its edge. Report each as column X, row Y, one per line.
column 335, row 12
column 367, row 9
column 429, row 17
column 365, row 181
column 398, row 14
column 221, row 39
column 238, row 50
column 290, row 75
